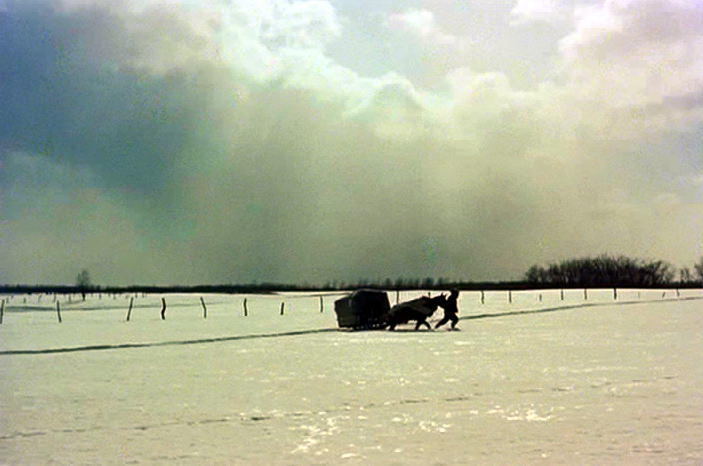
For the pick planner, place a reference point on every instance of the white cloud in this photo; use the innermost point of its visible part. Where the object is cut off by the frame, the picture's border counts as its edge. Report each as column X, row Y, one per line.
column 549, row 11
column 260, row 40
column 159, row 35
column 308, row 24
column 481, row 102
column 626, row 53
column 395, row 108
column 422, row 24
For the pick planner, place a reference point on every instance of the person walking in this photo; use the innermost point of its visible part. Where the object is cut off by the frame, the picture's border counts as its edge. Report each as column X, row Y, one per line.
column 450, row 310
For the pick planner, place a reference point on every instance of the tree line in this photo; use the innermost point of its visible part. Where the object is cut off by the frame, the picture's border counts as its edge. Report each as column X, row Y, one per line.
column 607, row 271
column 588, row 272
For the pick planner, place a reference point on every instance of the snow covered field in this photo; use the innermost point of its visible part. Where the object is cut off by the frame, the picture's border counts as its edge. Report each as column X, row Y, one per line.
column 531, row 381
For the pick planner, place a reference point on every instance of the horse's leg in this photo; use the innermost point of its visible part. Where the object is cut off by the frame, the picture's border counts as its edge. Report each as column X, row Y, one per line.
column 417, row 325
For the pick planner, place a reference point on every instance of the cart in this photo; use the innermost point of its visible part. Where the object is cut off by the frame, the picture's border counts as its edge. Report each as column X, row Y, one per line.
column 363, row 310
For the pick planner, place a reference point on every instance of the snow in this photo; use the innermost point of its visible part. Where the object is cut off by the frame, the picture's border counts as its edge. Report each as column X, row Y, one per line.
column 592, row 382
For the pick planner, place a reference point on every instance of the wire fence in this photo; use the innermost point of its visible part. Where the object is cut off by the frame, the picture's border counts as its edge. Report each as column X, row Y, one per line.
column 295, row 303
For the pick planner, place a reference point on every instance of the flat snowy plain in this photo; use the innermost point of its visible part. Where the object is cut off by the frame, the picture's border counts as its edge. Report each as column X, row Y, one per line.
column 552, row 382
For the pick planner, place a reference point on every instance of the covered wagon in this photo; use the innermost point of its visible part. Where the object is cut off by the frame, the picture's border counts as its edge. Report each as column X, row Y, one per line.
column 363, row 309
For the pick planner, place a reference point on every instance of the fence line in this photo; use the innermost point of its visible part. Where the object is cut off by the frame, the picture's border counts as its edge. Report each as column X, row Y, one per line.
column 264, row 301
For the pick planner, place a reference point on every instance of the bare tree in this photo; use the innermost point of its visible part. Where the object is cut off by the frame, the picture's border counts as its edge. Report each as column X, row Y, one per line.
column 685, row 275
column 83, row 282
column 699, row 269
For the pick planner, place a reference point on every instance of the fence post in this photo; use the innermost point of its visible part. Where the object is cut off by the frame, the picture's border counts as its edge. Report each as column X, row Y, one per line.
column 2, row 310
column 58, row 310
column 510, row 296
column 163, row 308
column 129, row 312
column 397, row 296
column 246, row 313
column 678, row 295
column 283, row 305
column 561, row 294
column 540, row 297
column 204, row 308
column 322, row 308
column 615, row 294
column 585, row 294
column 483, row 297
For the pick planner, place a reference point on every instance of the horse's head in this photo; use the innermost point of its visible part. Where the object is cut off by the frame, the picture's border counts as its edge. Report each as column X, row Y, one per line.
column 440, row 301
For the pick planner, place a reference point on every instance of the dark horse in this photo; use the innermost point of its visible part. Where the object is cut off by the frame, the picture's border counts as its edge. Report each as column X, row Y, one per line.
column 419, row 310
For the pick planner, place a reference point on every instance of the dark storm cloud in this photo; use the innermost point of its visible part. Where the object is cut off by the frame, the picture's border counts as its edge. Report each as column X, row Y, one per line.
column 213, row 189
column 64, row 103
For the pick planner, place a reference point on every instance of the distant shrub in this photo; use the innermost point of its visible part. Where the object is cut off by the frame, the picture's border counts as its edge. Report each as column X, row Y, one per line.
column 603, row 270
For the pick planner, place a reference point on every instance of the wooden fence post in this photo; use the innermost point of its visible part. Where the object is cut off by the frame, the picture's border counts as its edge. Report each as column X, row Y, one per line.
column 483, row 297
column 129, row 312
column 283, row 305
column 585, row 294
column 58, row 310
column 561, row 294
column 540, row 297
column 322, row 306
column 246, row 313
column 510, row 296
column 202, row 301
column 397, row 296
column 615, row 294
column 2, row 310
column 163, row 308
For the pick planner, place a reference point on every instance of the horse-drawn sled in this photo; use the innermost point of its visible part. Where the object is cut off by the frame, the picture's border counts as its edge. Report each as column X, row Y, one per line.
column 363, row 310
column 370, row 309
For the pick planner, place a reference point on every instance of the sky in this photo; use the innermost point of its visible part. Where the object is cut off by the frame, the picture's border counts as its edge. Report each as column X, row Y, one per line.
column 240, row 141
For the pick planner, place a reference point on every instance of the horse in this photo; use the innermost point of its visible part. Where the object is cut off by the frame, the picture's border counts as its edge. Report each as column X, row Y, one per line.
column 419, row 310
